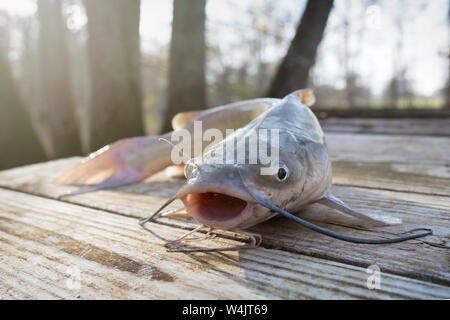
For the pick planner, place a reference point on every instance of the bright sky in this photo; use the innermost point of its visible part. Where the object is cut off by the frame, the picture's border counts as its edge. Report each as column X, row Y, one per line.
column 19, row 7
column 426, row 40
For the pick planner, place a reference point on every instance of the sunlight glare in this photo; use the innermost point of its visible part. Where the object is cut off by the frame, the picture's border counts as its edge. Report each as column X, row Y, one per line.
column 20, row 8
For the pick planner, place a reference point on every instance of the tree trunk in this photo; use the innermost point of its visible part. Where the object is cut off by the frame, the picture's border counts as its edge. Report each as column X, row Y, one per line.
column 19, row 144
column 187, row 85
column 61, row 134
column 447, row 100
column 114, row 62
column 294, row 69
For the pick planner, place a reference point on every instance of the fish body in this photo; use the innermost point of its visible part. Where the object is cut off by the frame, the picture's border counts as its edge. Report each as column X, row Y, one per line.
column 236, row 190
column 134, row 159
column 302, row 154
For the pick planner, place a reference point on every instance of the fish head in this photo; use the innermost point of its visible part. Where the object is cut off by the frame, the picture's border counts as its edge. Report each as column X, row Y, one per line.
column 215, row 196
column 216, row 191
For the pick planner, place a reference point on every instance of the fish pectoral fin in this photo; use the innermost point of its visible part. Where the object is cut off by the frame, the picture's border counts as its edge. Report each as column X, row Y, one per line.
column 373, row 219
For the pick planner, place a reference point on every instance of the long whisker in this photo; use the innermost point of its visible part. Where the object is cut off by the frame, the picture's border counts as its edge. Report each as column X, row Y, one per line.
column 144, row 221
column 328, row 232
column 179, row 149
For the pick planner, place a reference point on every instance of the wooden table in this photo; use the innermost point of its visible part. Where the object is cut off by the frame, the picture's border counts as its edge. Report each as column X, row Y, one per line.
column 91, row 246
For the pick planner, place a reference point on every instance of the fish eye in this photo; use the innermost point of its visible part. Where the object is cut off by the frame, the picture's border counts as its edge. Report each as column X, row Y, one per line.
column 282, row 173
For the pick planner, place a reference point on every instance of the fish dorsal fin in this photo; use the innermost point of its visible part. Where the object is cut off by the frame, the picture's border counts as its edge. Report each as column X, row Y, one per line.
column 306, row 96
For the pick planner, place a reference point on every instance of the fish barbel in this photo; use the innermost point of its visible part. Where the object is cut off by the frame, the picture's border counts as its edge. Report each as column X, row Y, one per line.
column 228, row 194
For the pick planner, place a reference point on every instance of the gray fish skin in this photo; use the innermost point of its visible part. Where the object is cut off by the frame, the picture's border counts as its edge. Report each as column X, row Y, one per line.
column 302, row 152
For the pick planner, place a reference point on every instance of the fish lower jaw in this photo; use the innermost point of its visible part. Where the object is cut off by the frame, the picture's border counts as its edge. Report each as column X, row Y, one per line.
column 218, row 210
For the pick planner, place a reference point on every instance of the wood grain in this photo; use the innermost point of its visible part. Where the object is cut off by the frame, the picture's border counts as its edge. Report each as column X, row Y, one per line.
column 388, row 148
column 406, row 177
column 412, row 126
column 44, row 243
column 416, row 164
column 423, row 259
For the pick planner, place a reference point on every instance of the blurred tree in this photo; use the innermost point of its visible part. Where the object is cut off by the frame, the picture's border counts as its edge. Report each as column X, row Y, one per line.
column 447, row 98
column 154, row 75
column 245, row 50
column 356, row 94
column 114, row 62
column 62, row 137
column 352, row 29
column 294, row 69
column 447, row 89
column 18, row 141
column 28, row 81
column 223, row 86
column 400, row 90
column 329, row 96
column 187, row 84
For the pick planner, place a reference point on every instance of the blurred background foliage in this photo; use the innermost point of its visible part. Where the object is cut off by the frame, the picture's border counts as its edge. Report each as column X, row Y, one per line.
column 76, row 75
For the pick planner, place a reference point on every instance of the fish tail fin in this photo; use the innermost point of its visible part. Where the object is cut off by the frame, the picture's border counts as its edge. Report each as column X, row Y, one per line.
column 123, row 162
column 306, row 96
column 373, row 219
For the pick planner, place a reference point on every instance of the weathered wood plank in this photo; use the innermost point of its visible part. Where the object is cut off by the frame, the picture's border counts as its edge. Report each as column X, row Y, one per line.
column 388, row 148
column 383, row 113
column 433, row 179
column 411, row 126
column 44, row 243
column 425, row 259
column 411, row 164
column 402, row 163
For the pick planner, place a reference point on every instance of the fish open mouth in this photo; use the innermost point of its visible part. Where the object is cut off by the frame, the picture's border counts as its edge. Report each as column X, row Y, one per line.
column 212, row 206
column 219, row 205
